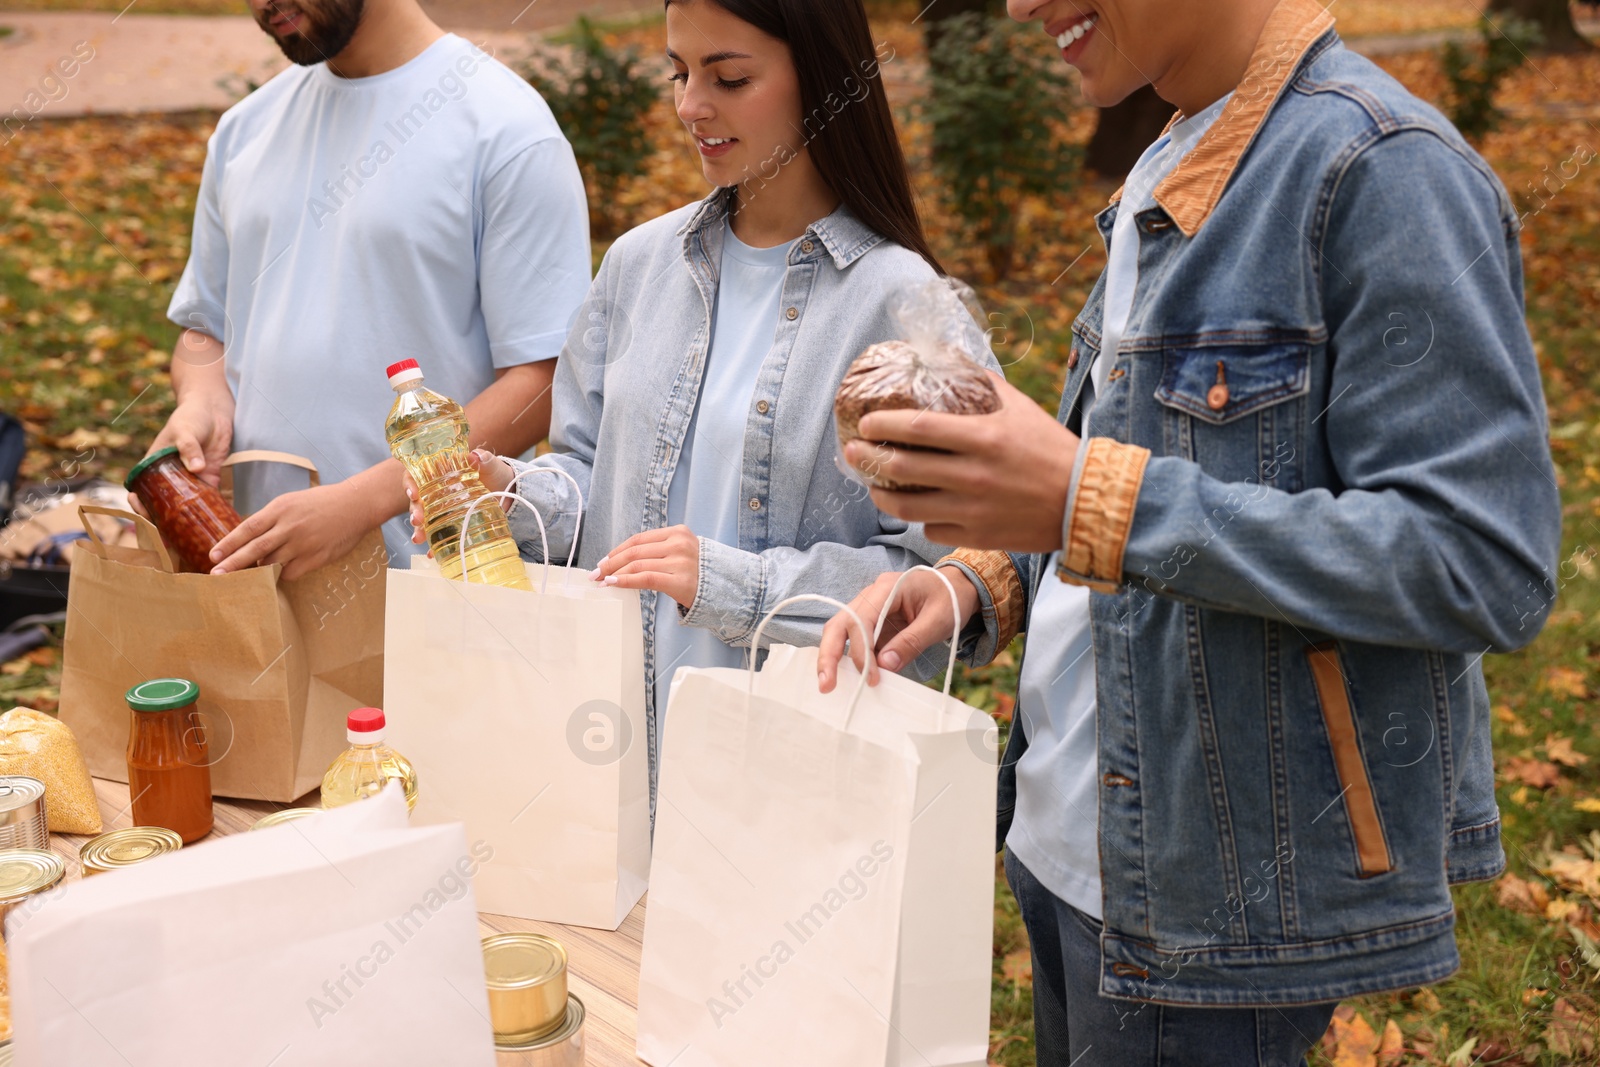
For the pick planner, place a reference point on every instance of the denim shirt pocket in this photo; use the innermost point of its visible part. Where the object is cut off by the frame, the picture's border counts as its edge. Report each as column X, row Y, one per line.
column 1238, row 409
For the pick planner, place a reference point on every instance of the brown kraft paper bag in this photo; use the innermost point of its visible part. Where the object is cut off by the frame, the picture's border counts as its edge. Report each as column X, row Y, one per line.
column 279, row 663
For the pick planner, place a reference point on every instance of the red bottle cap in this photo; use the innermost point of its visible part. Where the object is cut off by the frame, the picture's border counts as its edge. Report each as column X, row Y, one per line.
column 365, row 720
column 404, row 364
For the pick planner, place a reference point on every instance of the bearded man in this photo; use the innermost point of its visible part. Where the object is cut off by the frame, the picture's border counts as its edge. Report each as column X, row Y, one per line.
column 398, row 193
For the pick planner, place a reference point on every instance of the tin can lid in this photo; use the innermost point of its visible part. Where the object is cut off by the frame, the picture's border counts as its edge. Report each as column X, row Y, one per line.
column 571, row 1024
column 163, row 694
column 147, row 462
column 278, row 818
column 124, row 848
column 26, row 871
column 18, row 791
column 521, row 960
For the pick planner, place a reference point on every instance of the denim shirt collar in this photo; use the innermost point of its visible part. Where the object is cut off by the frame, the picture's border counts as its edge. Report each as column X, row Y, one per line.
column 841, row 235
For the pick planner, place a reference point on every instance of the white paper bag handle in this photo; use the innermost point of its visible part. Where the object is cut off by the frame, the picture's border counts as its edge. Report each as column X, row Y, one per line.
column 461, row 544
column 577, row 526
column 755, row 646
column 955, row 613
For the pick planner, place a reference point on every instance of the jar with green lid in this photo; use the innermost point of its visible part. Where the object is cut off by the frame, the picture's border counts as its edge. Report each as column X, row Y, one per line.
column 169, row 759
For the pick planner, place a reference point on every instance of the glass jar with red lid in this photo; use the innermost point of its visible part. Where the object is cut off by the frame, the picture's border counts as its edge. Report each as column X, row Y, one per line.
column 169, row 764
column 191, row 515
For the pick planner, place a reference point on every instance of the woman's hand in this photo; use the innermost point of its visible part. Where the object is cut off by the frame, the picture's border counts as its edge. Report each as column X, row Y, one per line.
column 920, row 617
column 495, row 472
column 663, row 561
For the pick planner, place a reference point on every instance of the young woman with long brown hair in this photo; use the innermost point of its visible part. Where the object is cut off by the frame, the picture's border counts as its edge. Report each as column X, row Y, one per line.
column 694, row 399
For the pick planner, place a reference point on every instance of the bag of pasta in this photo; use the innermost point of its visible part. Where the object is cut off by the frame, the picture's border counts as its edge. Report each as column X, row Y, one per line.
column 934, row 368
column 42, row 746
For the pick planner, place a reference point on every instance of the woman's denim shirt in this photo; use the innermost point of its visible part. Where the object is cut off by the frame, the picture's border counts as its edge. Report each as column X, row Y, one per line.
column 626, row 386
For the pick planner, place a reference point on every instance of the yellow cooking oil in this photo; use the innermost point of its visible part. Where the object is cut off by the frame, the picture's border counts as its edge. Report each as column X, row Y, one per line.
column 428, row 434
column 363, row 769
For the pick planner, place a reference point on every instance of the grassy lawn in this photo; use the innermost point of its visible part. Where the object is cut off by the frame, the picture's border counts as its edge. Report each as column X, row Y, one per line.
column 94, row 234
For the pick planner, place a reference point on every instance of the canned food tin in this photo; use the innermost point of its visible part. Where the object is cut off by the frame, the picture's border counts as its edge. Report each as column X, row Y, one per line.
column 278, row 818
column 527, row 979
column 24, row 872
column 561, row 1048
column 22, row 813
column 124, row 848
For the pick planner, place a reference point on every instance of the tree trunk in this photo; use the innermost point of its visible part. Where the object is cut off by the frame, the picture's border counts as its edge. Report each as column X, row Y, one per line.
column 1553, row 17
column 1124, row 131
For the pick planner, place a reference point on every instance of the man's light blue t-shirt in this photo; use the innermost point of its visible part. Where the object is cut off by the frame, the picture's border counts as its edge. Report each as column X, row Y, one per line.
column 433, row 211
column 704, row 492
column 1055, row 832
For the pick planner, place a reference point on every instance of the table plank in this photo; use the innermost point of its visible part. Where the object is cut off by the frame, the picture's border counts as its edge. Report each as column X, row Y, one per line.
column 603, row 966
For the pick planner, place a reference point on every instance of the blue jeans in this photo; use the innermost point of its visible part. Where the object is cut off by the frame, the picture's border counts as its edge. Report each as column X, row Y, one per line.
column 1074, row 1026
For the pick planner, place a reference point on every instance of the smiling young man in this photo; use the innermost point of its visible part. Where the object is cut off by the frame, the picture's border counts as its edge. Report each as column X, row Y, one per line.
column 1299, row 485
column 397, row 193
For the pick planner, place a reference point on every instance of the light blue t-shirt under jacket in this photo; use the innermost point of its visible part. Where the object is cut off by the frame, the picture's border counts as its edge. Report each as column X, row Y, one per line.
column 704, row 493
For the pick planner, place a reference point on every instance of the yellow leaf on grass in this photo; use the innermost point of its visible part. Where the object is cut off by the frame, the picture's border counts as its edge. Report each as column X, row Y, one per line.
column 1589, row 804
column 1578, row 872
column 1504, row 713
column 1521, row 895
column 1534, row 772
column 1560, row 908
column 1426, row 1000
column 1354, row 1043
column 1392, row 1046
column 1566, row 681
column 1018, row 967
column 1560, row 750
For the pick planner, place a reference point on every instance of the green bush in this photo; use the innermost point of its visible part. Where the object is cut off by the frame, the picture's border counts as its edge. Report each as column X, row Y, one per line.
column 995, row 107
column 602, row 98
column 1475, row 73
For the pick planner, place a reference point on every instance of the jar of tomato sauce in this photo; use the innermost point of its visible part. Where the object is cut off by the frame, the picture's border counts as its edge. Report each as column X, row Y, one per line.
column 191, row 515
column 169, row 765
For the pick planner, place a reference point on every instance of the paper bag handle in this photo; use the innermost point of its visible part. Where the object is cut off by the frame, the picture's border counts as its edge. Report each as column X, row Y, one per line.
column 755, row 646
column 149, row 536
column 466, row 520
column 955, row 613
column 577, row 527
column 262, row 455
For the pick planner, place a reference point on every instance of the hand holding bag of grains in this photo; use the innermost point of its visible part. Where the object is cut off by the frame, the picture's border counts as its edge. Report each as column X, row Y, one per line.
column 933, row 369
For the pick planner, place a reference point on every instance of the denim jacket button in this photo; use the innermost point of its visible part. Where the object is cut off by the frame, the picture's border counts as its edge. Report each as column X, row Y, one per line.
column 1217, row 397
column 755, row 504
column 762, row 406
column 1072, row 358
column 792, row 314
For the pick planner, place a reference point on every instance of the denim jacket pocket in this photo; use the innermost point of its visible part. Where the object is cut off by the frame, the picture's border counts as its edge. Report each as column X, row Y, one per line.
column 1218, row 384
column 1238, row 409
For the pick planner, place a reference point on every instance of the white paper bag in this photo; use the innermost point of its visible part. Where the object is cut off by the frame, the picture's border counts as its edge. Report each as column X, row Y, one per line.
column 823, row 881
column 524, row 714
column 351, row 938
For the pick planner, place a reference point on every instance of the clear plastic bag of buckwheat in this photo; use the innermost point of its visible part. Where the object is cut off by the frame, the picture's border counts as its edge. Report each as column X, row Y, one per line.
column 933, row 368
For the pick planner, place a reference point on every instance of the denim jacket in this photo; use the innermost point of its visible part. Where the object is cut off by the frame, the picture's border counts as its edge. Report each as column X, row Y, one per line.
column 1316, row 490
column 626, row 385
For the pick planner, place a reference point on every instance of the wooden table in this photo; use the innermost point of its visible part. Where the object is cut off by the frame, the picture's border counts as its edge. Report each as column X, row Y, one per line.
column 603, row 967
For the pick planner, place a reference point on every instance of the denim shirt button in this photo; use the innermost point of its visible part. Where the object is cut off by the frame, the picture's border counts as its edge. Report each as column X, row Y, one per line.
column 792, row 314
column 755, row 504
column 762, row 406
column 806, row 246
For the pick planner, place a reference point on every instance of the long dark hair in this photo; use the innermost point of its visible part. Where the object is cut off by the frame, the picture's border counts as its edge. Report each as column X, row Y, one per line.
column 845, row 119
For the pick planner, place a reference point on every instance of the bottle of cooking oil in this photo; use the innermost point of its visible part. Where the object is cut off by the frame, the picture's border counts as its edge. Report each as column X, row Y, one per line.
column 428, row 433
column 363, row 769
